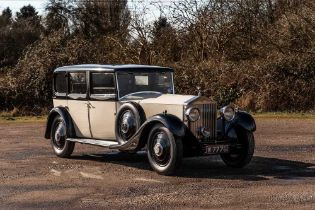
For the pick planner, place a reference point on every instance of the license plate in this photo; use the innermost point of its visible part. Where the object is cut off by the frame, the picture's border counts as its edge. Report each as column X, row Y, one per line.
column 216, row 149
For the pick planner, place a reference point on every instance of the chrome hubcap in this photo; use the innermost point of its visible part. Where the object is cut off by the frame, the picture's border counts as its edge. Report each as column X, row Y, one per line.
column 127, row 120
column 60, row 135
column 124, row 127
column 158, row 149
column 60, row 132
column 127, row 126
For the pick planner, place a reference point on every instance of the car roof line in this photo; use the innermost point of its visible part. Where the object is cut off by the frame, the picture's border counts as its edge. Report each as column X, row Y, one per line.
column 112, row 68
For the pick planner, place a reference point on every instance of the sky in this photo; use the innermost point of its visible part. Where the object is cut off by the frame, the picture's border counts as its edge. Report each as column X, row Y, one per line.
column 15, row 5
column 152, row 11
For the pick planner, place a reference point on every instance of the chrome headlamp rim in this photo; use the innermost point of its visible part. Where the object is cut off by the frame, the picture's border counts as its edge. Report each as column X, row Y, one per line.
column 224, row 110
column 188, row 114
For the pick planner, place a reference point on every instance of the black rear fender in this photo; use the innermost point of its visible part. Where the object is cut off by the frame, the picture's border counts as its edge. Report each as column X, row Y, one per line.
column 63, row 113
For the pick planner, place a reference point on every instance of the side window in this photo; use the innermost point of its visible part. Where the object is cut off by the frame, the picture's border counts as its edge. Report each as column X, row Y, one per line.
column 102, row 84
column 60, row 86
column 77, row 83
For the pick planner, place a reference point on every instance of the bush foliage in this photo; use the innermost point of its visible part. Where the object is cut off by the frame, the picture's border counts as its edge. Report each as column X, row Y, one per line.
column 257, row 54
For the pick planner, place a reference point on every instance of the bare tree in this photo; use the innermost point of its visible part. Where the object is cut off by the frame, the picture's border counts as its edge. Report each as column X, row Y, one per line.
column 95, row 17
column 59, row 16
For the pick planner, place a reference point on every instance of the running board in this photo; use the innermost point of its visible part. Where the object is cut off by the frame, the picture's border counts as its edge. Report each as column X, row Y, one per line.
column 95, row 142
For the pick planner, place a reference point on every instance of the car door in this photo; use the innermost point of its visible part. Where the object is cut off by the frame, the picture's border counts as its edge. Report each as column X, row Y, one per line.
column 78, row 103
column 102, row 107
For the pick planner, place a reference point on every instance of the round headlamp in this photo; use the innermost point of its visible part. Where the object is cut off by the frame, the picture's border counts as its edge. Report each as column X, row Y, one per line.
column 228, row 112
column 193, row 114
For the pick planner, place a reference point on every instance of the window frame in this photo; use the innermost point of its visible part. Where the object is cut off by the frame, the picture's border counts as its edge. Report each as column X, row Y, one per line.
column 117, row 85
column 58, row 94
column 77, row 96
column 102, row 97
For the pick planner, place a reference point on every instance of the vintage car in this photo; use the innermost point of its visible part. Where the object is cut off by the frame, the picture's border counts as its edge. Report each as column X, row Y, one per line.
column 134, row 107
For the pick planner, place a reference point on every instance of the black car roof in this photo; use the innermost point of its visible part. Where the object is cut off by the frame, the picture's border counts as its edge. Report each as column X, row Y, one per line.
column 113, row 68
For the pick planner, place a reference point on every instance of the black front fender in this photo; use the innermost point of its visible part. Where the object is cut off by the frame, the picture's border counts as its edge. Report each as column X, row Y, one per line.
column 244, row 120
column 173, row 123
column 139, row 140
column 61, row 111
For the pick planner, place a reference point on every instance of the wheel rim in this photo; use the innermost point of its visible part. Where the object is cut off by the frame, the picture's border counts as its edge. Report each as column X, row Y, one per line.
column 160, row 148
column 59, row 138
column 127, row 125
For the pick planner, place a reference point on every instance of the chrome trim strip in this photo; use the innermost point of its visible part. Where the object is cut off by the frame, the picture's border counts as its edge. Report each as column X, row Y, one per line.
column 70, row 69
column 102, row 143
column 173, row 82
column 117, row 86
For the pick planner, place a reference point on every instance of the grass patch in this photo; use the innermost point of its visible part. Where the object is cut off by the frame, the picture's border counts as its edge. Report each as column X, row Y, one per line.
column 24, row 119
column 284, row 115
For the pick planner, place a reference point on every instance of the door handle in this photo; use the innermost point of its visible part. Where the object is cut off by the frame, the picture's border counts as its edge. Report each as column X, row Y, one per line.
column 89, row 105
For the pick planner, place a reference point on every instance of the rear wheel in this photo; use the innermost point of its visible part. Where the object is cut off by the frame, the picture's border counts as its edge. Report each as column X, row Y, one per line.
column 164, row 150
column 61, row 146
column 241, row 155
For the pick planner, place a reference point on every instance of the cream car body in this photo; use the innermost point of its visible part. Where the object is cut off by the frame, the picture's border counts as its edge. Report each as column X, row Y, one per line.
column 131, row 107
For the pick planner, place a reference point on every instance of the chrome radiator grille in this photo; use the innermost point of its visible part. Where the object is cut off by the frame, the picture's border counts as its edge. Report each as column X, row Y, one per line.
column 208, row 119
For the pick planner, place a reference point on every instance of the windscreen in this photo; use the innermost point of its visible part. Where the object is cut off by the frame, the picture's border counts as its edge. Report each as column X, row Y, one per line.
column 135, row 82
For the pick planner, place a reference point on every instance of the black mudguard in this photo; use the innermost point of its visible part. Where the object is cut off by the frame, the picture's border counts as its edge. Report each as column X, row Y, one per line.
column 175, row 125
column 245, row 121
column 242, row 120
column 138, row 141
column 62, row 111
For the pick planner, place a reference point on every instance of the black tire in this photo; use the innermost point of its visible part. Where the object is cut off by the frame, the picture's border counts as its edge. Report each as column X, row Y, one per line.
column 129, row 118
column 240, row 157
column 167, row 160
column 60, row 145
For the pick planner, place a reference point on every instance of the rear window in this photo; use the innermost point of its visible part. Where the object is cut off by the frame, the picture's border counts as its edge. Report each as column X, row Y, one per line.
column 77, row 83
column 102, row 83
column 60, row 83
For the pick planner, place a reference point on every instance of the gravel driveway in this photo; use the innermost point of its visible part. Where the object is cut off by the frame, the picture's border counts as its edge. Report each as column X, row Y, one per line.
column 281, row 175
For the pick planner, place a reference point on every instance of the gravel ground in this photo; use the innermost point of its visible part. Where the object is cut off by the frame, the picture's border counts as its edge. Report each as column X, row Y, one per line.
column 281, row 175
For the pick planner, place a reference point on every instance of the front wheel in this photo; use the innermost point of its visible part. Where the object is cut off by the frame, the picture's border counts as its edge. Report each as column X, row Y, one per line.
column 241, row 155
column 60, row 145
column 164, row 150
